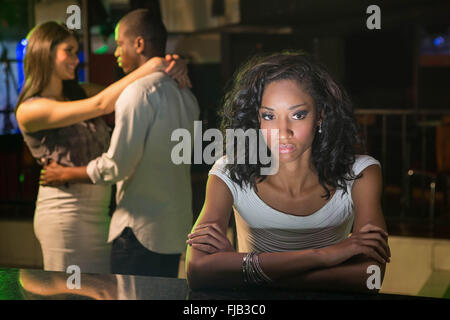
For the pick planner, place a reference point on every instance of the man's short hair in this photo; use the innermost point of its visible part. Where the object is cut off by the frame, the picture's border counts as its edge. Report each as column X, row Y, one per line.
column 148, row 25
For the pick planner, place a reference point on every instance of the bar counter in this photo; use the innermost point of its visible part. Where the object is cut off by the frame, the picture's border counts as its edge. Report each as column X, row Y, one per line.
column 31, row 284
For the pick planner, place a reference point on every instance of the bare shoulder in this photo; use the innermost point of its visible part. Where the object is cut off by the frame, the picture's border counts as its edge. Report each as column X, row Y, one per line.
column 31, row 104
column 366, row 196
column 217, row 187
column 32, row 101
column 370, row 180
column 217, row 192
column 29, row 110
column 218, row 203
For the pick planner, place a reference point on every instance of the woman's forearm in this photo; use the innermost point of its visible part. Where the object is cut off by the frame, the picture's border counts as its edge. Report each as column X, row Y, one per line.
column 224, row 269
column 108, row 96
column 350, row 276
column 76, row 174
column 299, row 270
column 42, row 114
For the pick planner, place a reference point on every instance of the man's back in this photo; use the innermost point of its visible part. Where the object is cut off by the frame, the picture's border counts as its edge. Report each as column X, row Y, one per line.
column 153, row 195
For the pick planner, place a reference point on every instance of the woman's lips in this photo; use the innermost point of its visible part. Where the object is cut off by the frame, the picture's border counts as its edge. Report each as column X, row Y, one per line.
column 286, row 147
column 71, row 67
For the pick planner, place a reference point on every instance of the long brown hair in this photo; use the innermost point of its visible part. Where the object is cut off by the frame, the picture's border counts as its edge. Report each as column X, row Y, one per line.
column 39, row 58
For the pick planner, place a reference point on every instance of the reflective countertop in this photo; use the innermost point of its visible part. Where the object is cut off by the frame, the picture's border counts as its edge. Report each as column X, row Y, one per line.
column 31, row 284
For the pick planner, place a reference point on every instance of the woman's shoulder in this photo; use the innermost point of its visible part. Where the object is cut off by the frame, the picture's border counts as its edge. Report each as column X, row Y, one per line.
column 30, row 100
column 362, row 162
column 220, row 170
column 37, row 98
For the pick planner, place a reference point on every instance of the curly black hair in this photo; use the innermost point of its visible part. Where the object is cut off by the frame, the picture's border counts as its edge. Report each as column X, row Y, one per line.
column 333, row 151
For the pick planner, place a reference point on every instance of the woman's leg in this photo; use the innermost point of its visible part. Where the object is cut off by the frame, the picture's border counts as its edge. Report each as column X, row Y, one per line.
column 71, row 224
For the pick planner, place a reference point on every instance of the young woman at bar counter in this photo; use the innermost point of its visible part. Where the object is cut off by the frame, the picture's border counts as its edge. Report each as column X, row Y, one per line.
column 71, row 222
column 293, row 227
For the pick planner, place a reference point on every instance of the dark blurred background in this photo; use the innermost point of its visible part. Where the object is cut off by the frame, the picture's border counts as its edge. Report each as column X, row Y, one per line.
column 398, row 78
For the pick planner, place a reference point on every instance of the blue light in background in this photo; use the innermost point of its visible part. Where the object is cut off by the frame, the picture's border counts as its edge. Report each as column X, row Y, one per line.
column 21, row 49
column 438, row 41
column 81, row 76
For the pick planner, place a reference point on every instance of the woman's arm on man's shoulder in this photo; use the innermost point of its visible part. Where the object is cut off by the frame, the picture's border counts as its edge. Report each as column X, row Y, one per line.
column 41, row 113
column 91, row 89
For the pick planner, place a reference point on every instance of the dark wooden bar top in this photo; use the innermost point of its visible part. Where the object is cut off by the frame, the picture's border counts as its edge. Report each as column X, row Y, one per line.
column 30, row 284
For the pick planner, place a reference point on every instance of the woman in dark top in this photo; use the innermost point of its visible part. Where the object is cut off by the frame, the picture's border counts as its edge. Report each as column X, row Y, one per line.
column 59, row 123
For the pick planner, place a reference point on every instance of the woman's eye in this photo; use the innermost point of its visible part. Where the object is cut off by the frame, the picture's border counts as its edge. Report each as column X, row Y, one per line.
column 71, row 51
column 266, row 116
column 300, row 115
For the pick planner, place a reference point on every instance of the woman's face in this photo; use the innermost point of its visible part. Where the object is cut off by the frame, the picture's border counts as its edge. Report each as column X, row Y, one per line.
column 287, row 107
column 66, row 59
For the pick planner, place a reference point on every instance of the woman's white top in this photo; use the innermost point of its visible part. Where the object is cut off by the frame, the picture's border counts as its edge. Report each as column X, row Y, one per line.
column 263, row 229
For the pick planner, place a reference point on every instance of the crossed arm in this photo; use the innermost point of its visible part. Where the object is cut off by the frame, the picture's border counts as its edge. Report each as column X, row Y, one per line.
column 212, row 262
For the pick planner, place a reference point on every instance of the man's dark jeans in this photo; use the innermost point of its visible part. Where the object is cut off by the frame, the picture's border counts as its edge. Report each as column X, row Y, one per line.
column 129, row 256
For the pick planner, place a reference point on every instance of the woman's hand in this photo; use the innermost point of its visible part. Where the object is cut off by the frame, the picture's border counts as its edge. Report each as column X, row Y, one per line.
column 172, row 64
column 370, row 241
column 209, row 238
column 52, row 175
column 177, row 69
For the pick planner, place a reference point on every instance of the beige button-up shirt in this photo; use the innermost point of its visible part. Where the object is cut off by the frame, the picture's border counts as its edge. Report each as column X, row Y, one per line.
column 154, row 195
